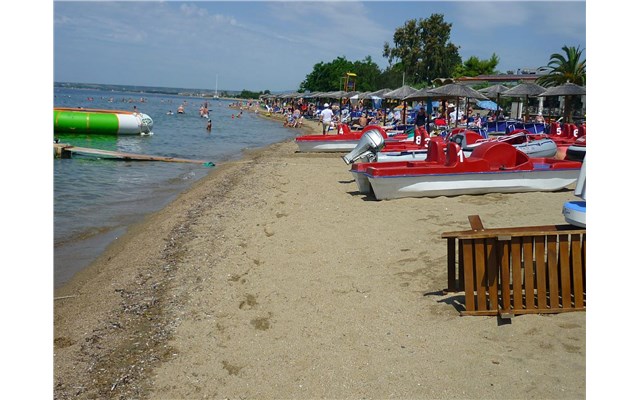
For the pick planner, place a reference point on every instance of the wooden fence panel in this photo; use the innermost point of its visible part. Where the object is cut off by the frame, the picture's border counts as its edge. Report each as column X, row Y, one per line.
column 522, row 270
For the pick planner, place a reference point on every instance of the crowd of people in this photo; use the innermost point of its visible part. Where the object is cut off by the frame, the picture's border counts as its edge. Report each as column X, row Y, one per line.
column 358, row 116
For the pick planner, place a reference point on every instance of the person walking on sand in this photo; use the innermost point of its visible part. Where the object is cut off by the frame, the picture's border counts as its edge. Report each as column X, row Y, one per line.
column 326, row 115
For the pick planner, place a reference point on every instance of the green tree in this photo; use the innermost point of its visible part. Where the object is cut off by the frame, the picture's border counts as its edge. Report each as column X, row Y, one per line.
column 392, row 77
column 368, row 75
column 567, row 67
column 474, row 67
column 247, row 94
column 327, row 77
column 423, row 48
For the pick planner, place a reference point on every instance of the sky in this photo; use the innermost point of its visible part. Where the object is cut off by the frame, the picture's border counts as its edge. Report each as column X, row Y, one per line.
column 274, row 45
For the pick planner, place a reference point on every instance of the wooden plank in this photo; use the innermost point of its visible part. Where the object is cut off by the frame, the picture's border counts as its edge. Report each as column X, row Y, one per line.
column 576, row 268
column 546, row 311
column 481, row 274
column 515, row 231
column 469, row 296
column 565, row 271
column 475, row 222
column 452, row 286
column 461, row 268
column 479, row 313
column 529, row 290
column 492, row 274
column 505, row 276
column 522, row 311
column 541, row 271
column 126, row 156
column 552, row 263
column 516, row 262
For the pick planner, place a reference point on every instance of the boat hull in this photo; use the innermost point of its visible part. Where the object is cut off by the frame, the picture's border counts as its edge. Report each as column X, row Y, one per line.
column 391, row 156
column 100, row 122
column 541, row 148
column 328, row 146
column 575, row 213
column 362, row 182
column 575, row 153
column 538, row 148
column 454, row 184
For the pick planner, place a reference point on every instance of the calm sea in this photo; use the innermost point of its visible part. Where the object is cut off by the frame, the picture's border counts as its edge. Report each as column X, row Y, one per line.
column 96, row 200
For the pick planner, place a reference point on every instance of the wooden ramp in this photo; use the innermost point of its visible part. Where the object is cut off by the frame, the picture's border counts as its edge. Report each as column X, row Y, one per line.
column 520, row 270
column 62, row 150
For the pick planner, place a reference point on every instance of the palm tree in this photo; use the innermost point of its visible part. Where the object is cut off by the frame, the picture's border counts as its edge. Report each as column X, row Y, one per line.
column 567, row 68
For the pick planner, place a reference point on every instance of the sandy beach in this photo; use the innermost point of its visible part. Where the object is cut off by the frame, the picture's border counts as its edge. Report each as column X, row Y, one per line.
column 273, row 278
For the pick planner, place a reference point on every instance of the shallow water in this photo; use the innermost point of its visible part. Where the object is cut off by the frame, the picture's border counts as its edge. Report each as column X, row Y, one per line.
column 95, row 200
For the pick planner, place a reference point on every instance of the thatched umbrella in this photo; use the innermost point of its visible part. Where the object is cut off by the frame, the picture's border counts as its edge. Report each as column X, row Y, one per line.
column 457, row 90
column 419, row 95
column 377, row 95
column 567, row 90
column 380, row 93
column 525, row 90
column 494, row 92
column 400, row 94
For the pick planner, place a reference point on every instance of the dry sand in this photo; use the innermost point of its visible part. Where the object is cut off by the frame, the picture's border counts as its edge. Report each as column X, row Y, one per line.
column 273, row 278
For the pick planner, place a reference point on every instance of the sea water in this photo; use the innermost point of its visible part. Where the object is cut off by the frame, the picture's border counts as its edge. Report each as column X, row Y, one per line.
column 95, row 200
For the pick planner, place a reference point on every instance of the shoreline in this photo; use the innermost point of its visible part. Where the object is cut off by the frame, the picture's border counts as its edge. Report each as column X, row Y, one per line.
column 271, row 277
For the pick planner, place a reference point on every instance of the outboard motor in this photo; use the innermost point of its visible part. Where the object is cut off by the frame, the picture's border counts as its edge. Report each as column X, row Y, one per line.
column 370, row 142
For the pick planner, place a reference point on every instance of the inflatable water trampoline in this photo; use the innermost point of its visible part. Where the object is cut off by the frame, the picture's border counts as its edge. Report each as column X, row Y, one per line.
column 101, row 122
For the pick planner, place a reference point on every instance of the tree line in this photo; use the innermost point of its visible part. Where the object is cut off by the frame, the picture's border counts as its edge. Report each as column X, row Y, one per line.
column 420, row 53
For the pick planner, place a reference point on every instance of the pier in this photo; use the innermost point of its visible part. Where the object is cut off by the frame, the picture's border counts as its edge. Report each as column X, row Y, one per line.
column 62, row 150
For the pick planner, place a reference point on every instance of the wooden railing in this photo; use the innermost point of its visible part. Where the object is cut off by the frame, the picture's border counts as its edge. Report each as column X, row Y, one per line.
column 521, row 270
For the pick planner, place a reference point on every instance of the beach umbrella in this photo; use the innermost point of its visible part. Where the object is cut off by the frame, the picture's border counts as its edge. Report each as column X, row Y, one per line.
column 338, row 95
column 312, row 95
column 525, row 90
column 400, row 94
column 380, row 93
column 377, row 97
column 421, row 94
column 402, row 107
column 353, row 99
column 457, row 90
column 352, row 93
column 567, row 90
column 494, row 92
column 335, row 95
column 487, row 105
